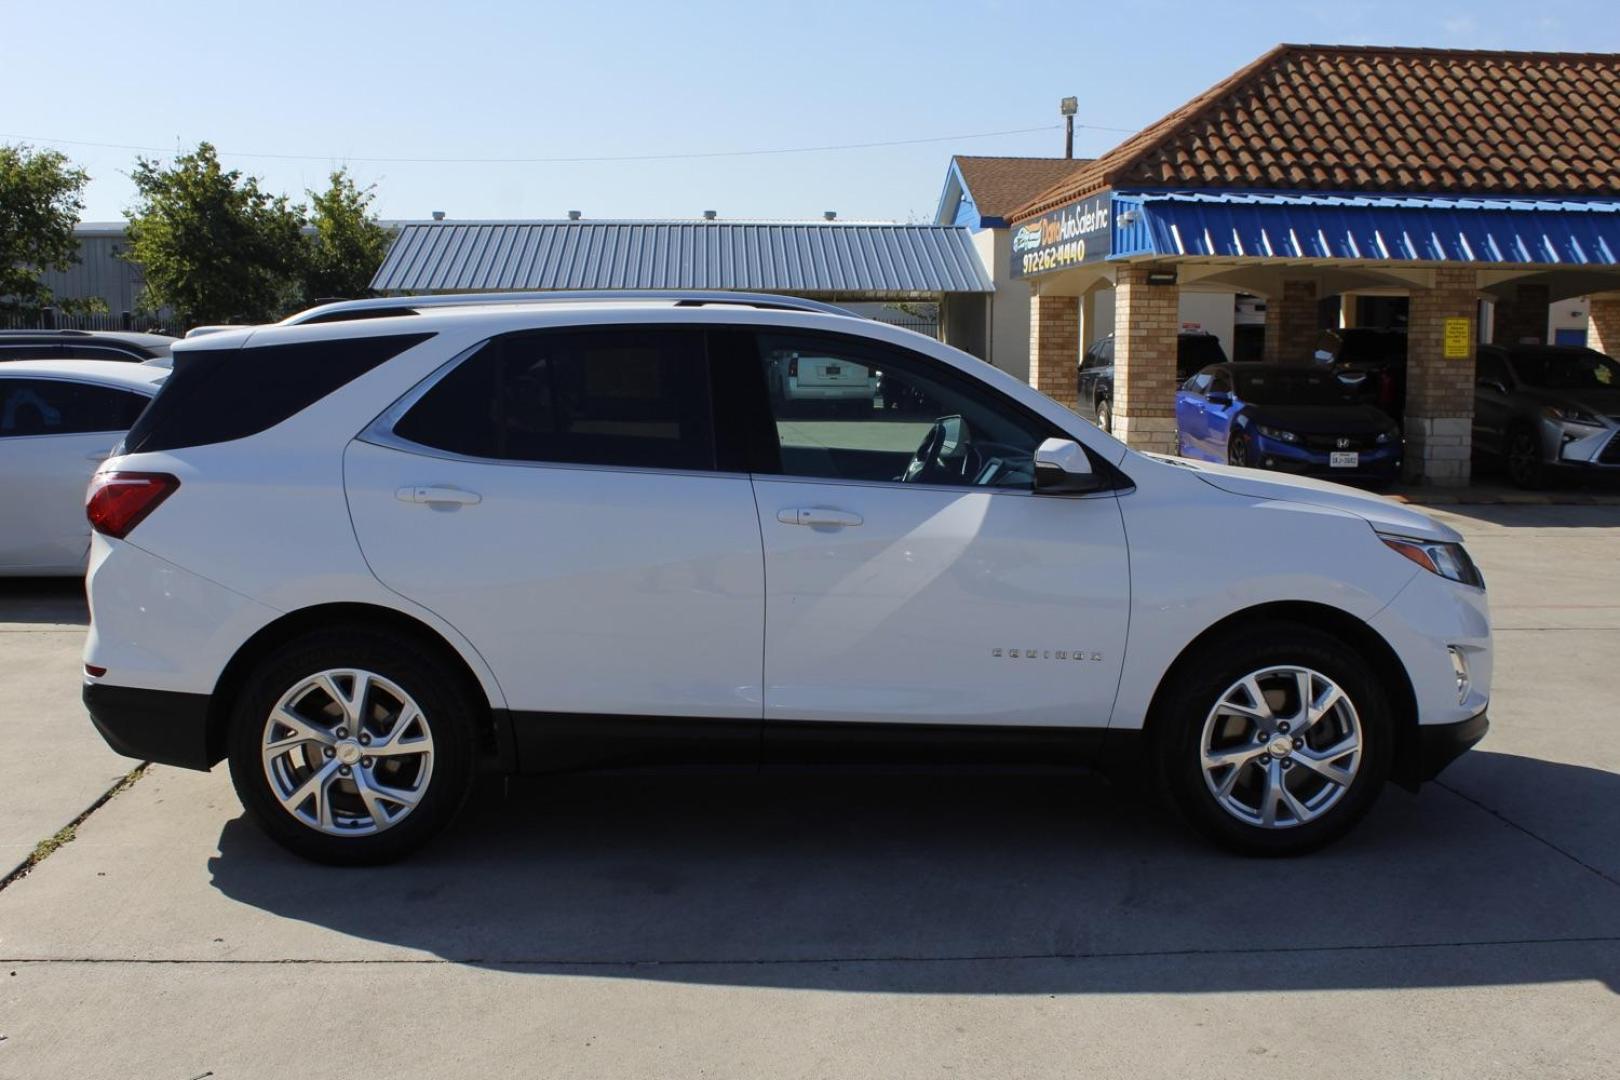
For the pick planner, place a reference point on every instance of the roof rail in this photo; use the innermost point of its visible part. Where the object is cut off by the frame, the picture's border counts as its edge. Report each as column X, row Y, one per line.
column 383, row 306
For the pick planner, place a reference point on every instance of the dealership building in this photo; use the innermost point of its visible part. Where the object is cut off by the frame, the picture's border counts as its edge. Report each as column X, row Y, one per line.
column 1467, row 196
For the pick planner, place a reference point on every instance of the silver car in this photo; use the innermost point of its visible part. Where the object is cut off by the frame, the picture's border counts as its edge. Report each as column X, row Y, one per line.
column 1539, row 408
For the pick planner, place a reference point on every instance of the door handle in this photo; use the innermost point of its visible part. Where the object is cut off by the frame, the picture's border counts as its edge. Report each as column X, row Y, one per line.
column 450, row 496
column 817, row 515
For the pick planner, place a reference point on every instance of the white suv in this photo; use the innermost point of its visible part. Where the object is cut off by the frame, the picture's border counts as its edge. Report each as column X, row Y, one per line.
column 368, row 552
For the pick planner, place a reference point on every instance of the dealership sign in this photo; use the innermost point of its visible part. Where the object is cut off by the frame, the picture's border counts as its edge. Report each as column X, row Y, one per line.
column 1076, row 234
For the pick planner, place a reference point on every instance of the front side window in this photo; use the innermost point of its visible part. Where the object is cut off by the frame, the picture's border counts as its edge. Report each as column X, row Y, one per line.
column 1198, row 384
column 59, row 407
column 632, row 397
column 848, row 409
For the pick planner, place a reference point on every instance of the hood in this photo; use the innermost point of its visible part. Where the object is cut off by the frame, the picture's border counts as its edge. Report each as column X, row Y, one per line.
column 1349, row 419
column 1603, row 402
column 1382, row 514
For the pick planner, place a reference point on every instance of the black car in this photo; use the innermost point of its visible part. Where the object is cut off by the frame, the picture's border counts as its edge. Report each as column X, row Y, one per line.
column 1195, row 350
column 82, row 345
column 1540, row 409
column 1370, row 362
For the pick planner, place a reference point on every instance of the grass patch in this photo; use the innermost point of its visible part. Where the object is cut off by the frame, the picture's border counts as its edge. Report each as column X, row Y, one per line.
column 64, row 836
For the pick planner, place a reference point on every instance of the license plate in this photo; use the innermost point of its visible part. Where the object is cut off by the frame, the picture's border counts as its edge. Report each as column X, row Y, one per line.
column 1344, row 459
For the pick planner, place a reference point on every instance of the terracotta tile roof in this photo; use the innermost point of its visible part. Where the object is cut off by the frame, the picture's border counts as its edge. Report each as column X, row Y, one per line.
column 1364, row 118
column 1003, row 184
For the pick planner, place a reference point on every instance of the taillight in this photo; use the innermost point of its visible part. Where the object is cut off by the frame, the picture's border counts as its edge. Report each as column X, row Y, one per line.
column 119, row 501
column 793, row 368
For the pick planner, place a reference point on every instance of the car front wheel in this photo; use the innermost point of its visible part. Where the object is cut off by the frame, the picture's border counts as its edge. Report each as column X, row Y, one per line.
column 1275, row 743
column 352, row 747
column 1524, row 464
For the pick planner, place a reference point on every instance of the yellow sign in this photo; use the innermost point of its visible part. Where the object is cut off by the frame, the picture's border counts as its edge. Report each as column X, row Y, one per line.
column 1457, row 340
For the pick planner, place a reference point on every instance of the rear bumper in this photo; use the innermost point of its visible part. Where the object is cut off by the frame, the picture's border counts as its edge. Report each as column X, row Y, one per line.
column 165, row 726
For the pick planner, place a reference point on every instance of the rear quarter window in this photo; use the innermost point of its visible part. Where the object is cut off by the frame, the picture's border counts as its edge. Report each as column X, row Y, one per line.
column 217, row 395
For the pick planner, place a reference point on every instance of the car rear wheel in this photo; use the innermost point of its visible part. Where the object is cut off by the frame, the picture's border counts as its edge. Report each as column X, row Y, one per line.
column 1105, row 416
column 1523, row 459
column 1277, row 742
column 352, row 747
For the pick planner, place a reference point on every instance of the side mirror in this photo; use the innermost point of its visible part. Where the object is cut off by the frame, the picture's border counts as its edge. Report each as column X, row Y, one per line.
column 1062, row 468
column 1491, row 384
column 1220, row 397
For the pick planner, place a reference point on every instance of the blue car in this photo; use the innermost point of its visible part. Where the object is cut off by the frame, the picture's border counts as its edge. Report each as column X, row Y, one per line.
column 1285, row 417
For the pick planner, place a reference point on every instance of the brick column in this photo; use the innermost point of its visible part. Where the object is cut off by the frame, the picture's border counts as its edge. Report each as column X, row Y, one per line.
column 1440, row 392
column 1521, row 315
column 1291, row 323
column 1146, row 321
column 1603, row 324
column 1054, row 347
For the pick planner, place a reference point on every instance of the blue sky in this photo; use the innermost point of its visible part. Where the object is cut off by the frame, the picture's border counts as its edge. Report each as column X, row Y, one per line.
column 327, row 84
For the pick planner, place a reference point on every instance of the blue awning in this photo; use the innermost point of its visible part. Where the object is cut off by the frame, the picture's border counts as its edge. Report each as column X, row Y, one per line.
column 1379, row 228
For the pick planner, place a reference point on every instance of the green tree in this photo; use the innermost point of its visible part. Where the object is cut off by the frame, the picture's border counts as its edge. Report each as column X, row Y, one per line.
column 347, row 246
column 41, row 195
column 212, row 245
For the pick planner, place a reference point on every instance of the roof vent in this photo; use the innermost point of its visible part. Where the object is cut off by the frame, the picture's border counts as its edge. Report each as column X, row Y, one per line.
column 829, row 215
column 573, row 215
column 438, row 215
column 710, row 215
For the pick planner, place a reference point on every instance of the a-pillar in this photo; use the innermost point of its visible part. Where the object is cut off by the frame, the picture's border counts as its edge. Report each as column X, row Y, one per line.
column 1146, row 321
column 1440, row 389
column 1521, row 316
column 1291, row 318
column 1603, row 324
column 1054, row 347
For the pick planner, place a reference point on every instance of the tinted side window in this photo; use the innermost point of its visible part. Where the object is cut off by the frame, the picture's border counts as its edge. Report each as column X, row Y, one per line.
column 58, row 407
column 29, row 352
column 1220, row 383
column 635, row 398
column 1198, row 384
column 215, row 395
column 848, row 409
column 1492, row 368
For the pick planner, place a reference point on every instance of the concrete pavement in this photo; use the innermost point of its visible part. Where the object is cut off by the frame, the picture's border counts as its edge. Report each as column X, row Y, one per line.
column 873, row 926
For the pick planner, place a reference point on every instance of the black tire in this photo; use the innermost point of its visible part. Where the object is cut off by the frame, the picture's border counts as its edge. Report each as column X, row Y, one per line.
column 1522, row 459
column 1105, row 416
column 1237, row 450
column 1199, row 683
column 419, row 672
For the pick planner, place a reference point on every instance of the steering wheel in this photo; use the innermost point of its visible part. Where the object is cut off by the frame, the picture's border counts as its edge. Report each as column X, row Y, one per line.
column 945, row 455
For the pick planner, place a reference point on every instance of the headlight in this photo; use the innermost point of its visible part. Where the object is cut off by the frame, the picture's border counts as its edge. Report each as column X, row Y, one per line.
column 1386, row 437
column 1571, row 416
column 1277, row 433
column 1447, row 560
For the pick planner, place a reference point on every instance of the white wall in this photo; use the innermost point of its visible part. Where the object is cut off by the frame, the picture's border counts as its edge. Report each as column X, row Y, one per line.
column 1009, row 312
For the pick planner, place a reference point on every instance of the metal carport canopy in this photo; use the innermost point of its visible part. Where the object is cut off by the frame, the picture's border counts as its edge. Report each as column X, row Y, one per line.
column 851, row 260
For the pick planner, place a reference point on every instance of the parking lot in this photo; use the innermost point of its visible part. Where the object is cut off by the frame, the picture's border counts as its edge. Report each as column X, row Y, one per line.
column 841, row 926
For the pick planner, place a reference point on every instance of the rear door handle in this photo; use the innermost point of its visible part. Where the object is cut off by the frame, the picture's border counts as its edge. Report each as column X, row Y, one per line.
column 817, row 515
column 442, row 495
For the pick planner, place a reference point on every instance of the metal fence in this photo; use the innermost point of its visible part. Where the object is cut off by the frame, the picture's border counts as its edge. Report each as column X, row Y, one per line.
column 930, row 327
column 52, row 319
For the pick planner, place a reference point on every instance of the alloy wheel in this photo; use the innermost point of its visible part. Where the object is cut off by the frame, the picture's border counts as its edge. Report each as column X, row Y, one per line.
column 347, row 752
column 1281, row 747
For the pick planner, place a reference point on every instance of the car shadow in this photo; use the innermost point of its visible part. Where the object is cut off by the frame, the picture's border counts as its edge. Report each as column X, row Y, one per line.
column 43, row 601
column 1028, row 884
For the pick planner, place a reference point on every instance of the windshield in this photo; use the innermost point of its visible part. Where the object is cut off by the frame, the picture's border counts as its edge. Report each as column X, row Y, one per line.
column 1567, row 370
column 1290, row 388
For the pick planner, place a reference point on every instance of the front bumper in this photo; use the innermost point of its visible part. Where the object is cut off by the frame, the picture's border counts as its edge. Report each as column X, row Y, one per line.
column 1434, row 746
column 165, row 726
column 1381, row 461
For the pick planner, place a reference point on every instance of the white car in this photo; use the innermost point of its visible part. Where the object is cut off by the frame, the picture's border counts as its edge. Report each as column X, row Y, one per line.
column 59, row 419
column 370, row 551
